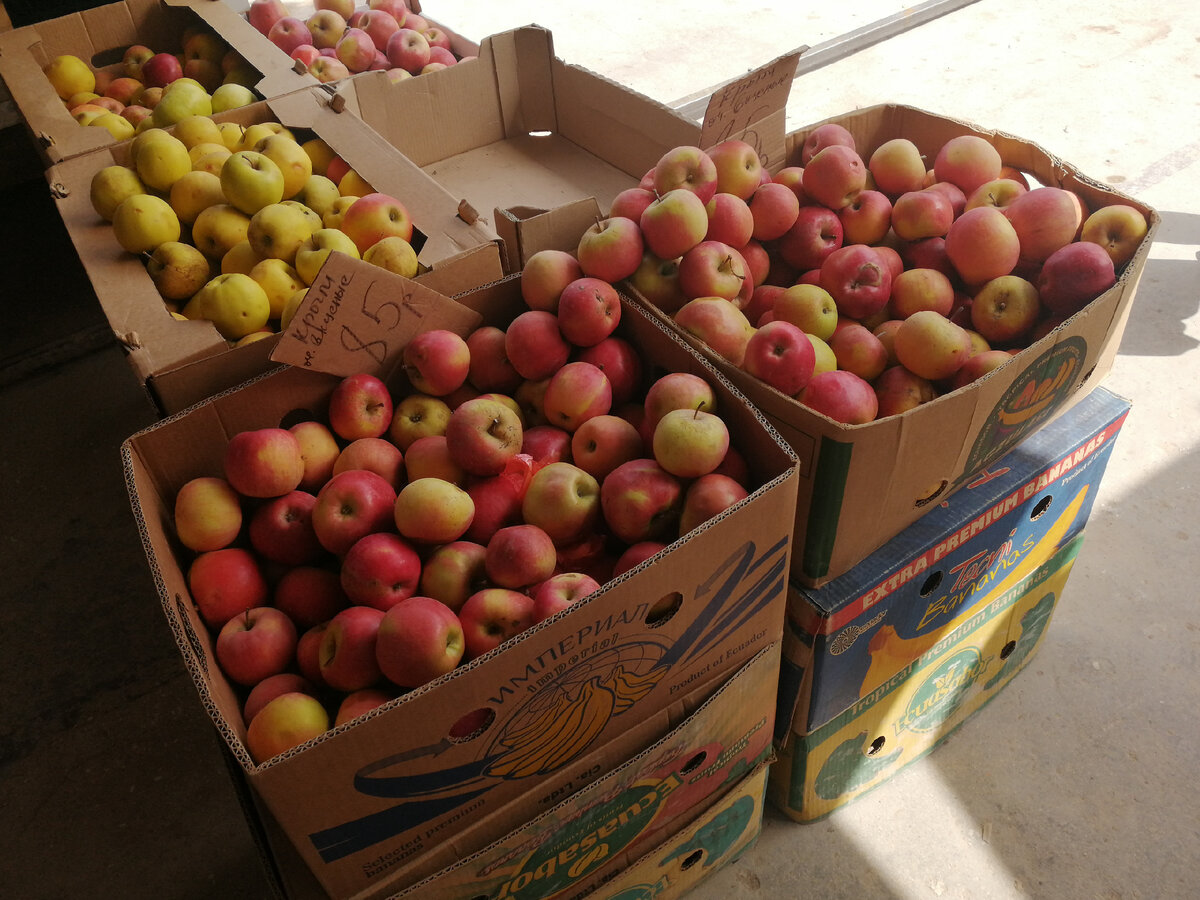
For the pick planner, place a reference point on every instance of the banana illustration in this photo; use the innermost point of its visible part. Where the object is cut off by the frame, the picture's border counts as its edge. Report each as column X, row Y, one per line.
column 557, row 734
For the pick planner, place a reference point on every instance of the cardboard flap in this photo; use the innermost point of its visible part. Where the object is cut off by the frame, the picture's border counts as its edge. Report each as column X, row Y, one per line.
column 526, row 230
column 742, row 108
column 358, row 318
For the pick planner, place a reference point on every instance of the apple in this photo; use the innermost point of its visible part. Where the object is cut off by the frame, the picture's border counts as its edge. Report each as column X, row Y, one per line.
column 483, row 434
column 374, row 454
column 858, row 279
column 488, row 367
column 858, row 350
column 657, row 280
column 817, row 232
column 263, row 462
column 999, row 192
column 454, row 571
column 325, row 26
column 408, row 49
column 690, row 443
column 277, row 231
column 979, row 365
column 546, row 273
column 1005, row 310
column 842, row 396
column 161, row 69
column 629, row 203
column 251, row 180
column 719, row 324
column 375, row 216
column 739, row 170
column 207, row 514
column 635, row 555
column 360, row 406
column 255, row 644
column 604, row 442
column 546, row 444
column 677, row 390
column 356, row 49
column 281, row 530
column 1118, row 228
column 826, row 135
column 1073, row 276
column 922, row 214
column 620, row 363
column 714, row 269
column 729, row 219
column 589, row 310
column 433, row 511
column 429, row 457
column 318, row 449
column 967, row 161
column 224, row 583
column 576, row 392
column 141, row 222
column 560, row 592
column 641, row 501
column 707, row 497
column 309, row 595
column 308, row 653
column 834, row 175
column 535, row 345
column 897, row 167
column 347, row 650
column 350, row 506
column 774, row 209
column 380, row 570
column 420, row 639
column 133, row 59
column 359, row 703
column 563, row 501
column 611, row 249
column 918, row 288
column 931, row 346
column 287, row 721
column 262, row 14
column 271, row 687
column 898, row 390
column 865, row 219
column 493, row 615
column 519, row 555
column 982, row 244
column 779, row 354
column 686, row 167
column 673, row 223
column 437, row 362
column 1045, row 219
column 417, row 416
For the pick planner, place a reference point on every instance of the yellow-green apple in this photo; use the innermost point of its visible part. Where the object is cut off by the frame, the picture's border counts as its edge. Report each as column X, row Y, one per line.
column 289, row 33
column 209, row 158
column 604, row 442
column 429, row 457
column 489, row 368
column 294, row 164
column 534, row 344
column 319, row 449
column 224, row 583
column 374, row 454
column 673, row 223
column 181, row 98
column 287, row 721
column 589, row 310
column 350, row 506
column 407, row 49
column 453, row 572
column 828, row 134
column 635, row 555
column 546, row 443
column 825, row 360
column 564, row 501
column 1073, row 276
column 842, row 396
column 1045, row 219
column 897, row 167
column 177, row 269
column 380, row 25
column 739, row 169
column 310, row 595
column 858, row 279
column 347, row 651
column 110, row 185
column 922, row 214
column 318, row 193
column 967, row 161
column 420, row 639
column 359, row 703
column 271, row 687
column 497, row 500
column 235, row 304
column 859, row 351
column 356, row 49
column 483, row 434
column 544, row 276
column 561, row 591
column 631, row 203
column 982, row 244
column 729, row 219
column 433, row 511
column 416, row 416
column 919, row 288
column 87, row 113
column 834, row 175
column 255, row 644
column 279, row 282
column 978, row 366
column 395, row 254
column 930, row 345
column 779, row 354
column 437, row 362
column 380, row 570
column 686, row 167
column 518, row 556
column 620, row 363
column 690, row 443
column 263, row 462
column 194, row 192
column 251, row 181
column 375, row 216
column 207, row 514
column 344, row 8
column 774, row 209
column 360, row 406
column 314, row 250
column 493, row 615
column 291, row 307
column 162, row 162
column 999, row 192
column 719, row 323
column 898, row 390
column 658, row 281
column 816, row 233
column 866, row 218
column 1119, row 228
column 641, row 501
column 325, row 26
column 115, row 124
column 611, row 249
column 161, row 69
column 332, row 218
column 281, row 530
column 809, row 307
column 308, row 653
column 1005, row 309
column 714, row 269
column 709, row 496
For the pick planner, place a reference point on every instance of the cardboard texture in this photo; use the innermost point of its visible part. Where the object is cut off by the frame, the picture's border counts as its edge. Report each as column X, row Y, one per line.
column 367, row 797
column 181, row 363
column 99, row 36
column 884, row 662
column 519, row 127
column 863, row 484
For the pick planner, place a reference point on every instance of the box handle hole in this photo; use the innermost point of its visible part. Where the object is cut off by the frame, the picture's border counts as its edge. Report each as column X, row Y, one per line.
column 664, row 610
column 473, row 724
column 1006, row 652
column 931, row 583
column 694, row 763
column 876, row 745
column 691, row 859
column 932, row 495
column 1040, row 507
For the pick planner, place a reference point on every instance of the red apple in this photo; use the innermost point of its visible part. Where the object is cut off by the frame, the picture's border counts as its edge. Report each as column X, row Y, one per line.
column 781, row 355
column 635, row 555
column 492, row 616
column 842, row 396
column 419, row 639
column 359, row 703
column 308, row 653
column 1045, row 219
column 589, row 310
column 709, row 496
column 483, row 435
column 621, row 365
column 629, row 203
column 729, row 220
column 816, row 233
column 263, row 462
column 319, row 449
column 408, row 49
column 576, row 392
column 437, row 362
column 255, row 644
column 611, row 249
column 545, row 275
column 774, row 209
column 360, row 406
column 519, row 555
column 429, row 457
column 380, row 25
column 560, row 592
column 454, row 571
column 858, row 350
column 489, row 369
column 714, row 269
column 1073, row 276
column 563, row 501
column 224, row 583
column 281, row 530
column 375, row 216
column 309, row 595
column 982, row 244
column 642, row 501
column 834, row 175
column 262, row 14
column 271, row 687
column 347, row 651
column 897, row 167
column 899, row 390
column 824, row 136
column 161, row 69
column 375, row 455
column 350, row 506
column 967, row 161
column 719, row 323
column 546, row 443
column 535, row 345
column 686, row 167
column 604, row 442
column 857, row 278
column 380, row 570
column 916, row 289
column 866, row 218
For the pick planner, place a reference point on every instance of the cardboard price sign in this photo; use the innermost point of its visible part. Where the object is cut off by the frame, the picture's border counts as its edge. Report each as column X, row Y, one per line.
column 737, row 106
column 358, row 318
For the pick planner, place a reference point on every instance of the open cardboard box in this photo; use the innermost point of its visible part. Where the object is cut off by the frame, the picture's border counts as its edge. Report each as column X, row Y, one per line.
column 883, row 662
column 518, row 127
column 696, row 611
column 645, row 798
column 99, row 36
column 181, row 363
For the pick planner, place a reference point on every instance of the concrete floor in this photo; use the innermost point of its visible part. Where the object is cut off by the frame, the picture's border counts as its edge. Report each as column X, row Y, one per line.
column 1077, row 782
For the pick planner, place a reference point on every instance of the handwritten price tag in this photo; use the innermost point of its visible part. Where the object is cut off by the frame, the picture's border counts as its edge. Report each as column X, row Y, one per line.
column 733, row 108
column 357, row 317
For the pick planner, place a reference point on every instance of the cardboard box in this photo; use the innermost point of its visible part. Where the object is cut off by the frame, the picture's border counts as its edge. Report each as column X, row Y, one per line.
column 354, row 805
column 884, row 662
column 518, row 127
column 181, row 363
column 99, row 36
column 863, row 484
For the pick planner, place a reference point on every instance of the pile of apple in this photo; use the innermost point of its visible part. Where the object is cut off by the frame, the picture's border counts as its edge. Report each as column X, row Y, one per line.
column 862, row 285
column 339, row 38
column 148, row 89
column 234, row 222
column 342, row 561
